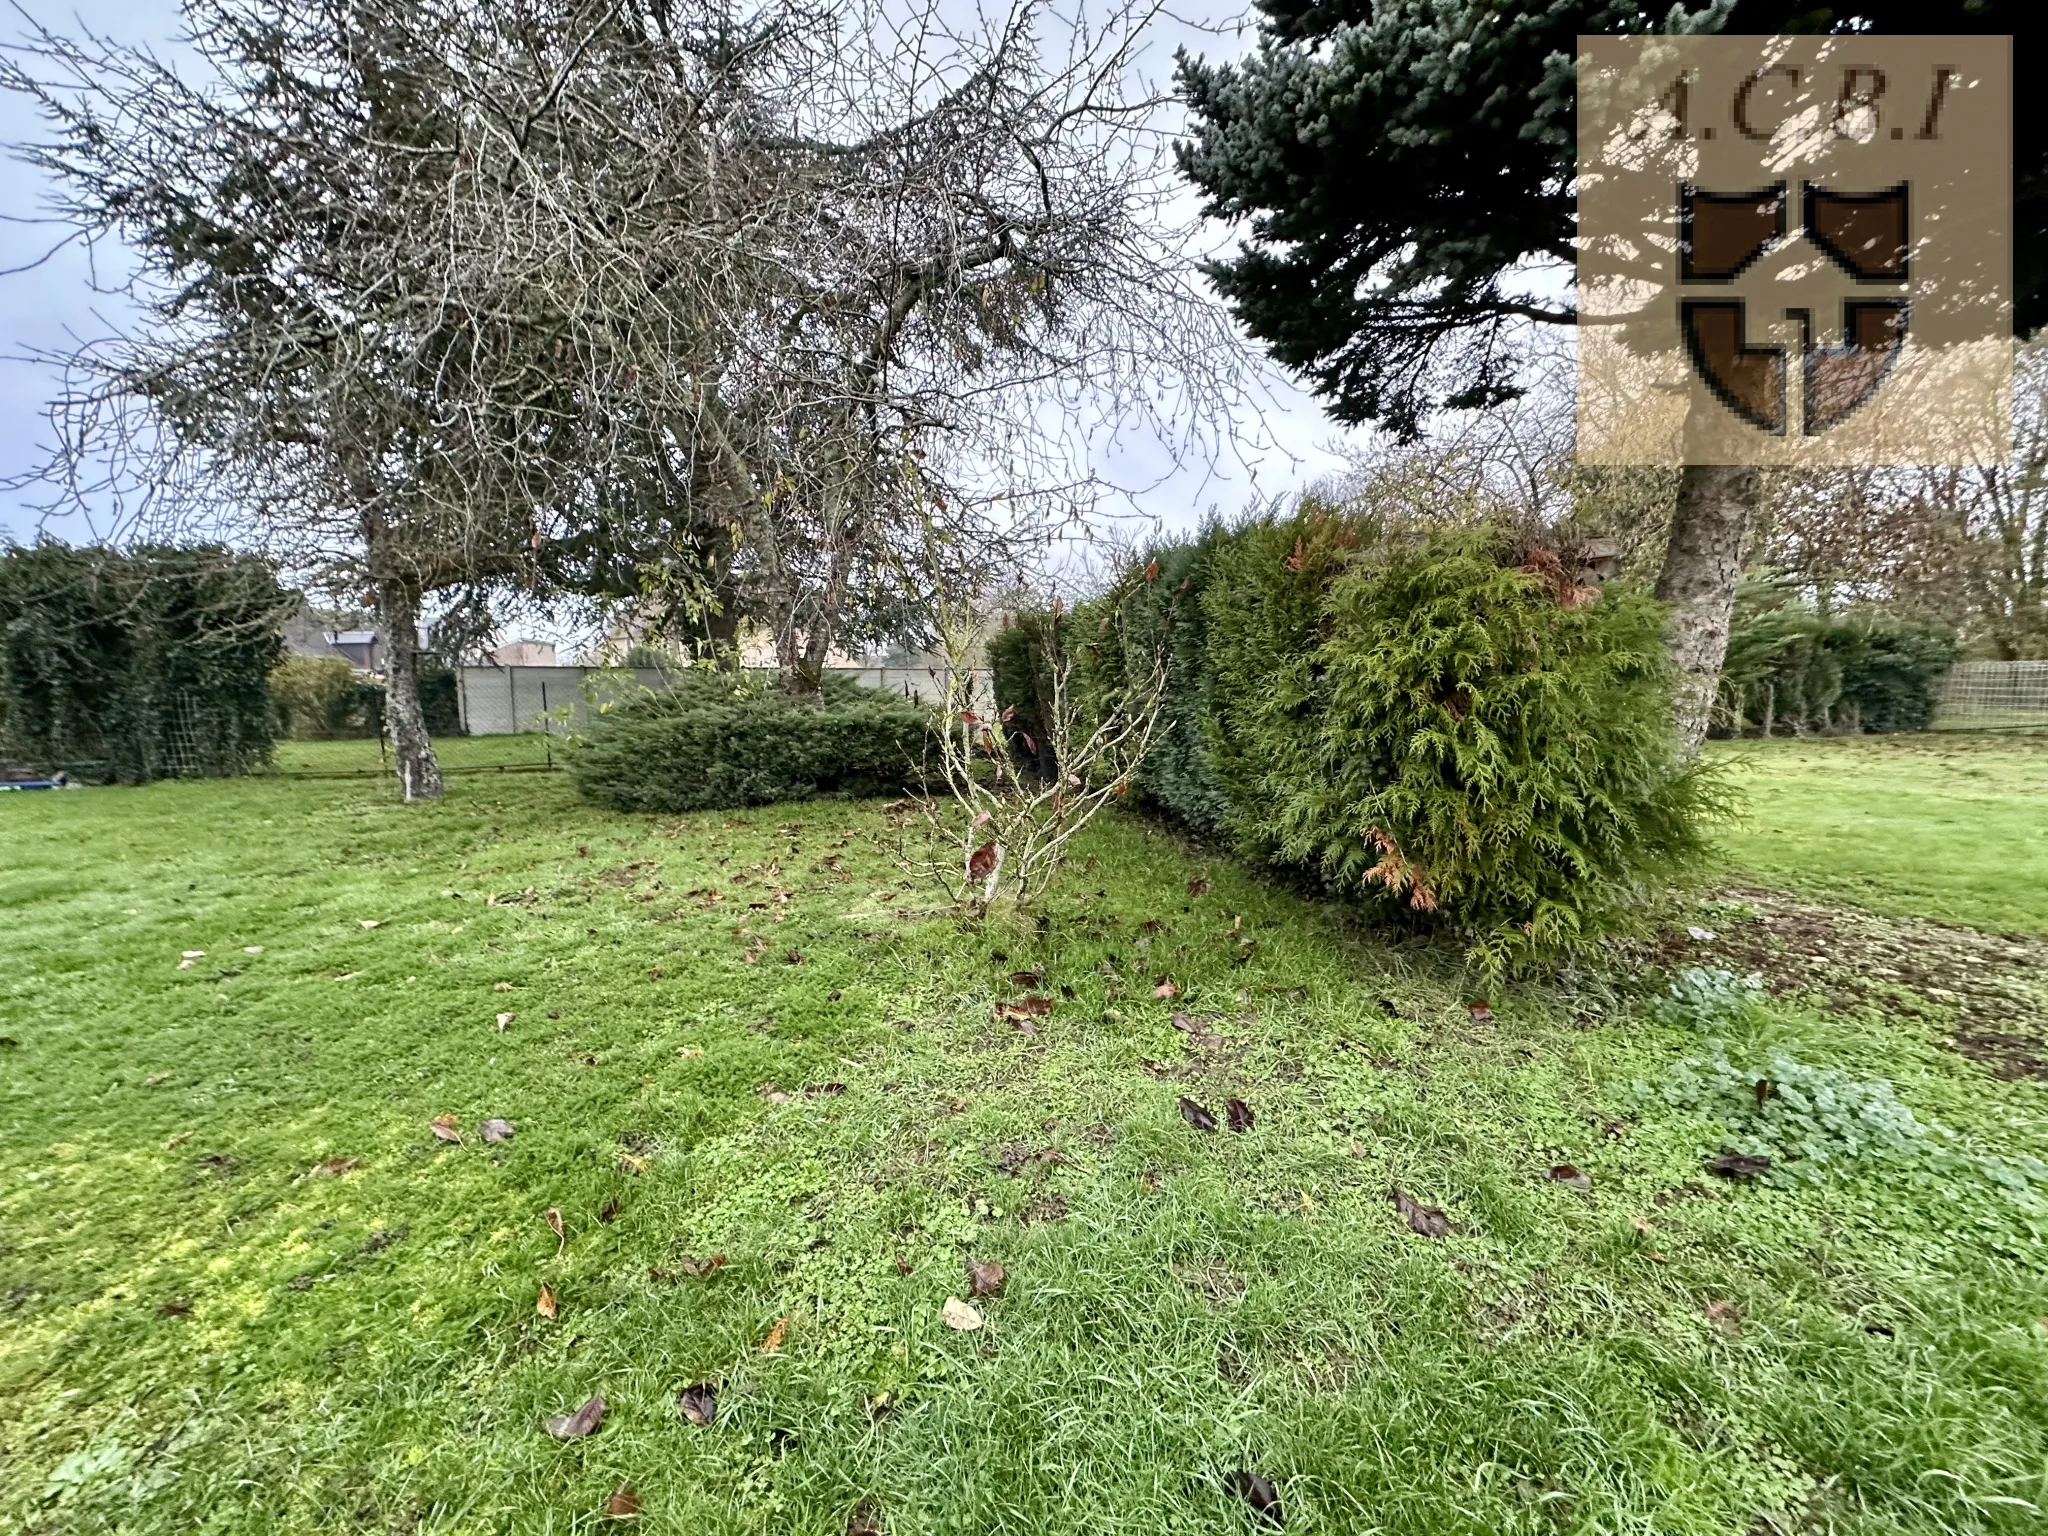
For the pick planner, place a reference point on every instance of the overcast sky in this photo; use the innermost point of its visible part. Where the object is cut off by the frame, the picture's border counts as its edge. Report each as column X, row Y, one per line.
column 53, row 306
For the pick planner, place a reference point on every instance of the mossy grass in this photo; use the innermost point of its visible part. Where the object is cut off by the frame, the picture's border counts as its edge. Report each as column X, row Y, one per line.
column 809, row 1076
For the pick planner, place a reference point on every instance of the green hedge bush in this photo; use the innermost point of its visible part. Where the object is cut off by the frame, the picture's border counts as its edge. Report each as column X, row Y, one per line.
column 1441, row 724
column 323, row 698
column 137, row 664
column 1792, row 671
column 714, row 743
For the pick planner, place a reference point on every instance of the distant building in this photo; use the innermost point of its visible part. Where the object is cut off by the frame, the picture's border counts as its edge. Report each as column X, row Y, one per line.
column 305, row 635
column 525, row 653
column 358, row 647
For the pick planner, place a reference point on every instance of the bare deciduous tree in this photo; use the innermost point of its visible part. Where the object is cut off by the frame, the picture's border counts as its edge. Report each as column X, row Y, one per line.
column 441, row 296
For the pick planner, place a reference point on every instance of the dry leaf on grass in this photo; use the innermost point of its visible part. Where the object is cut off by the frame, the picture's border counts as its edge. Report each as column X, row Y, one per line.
column 502, row 986
column 1731, row 1164
column 1726, row 1317
column 1166, row 987
column 544, row 1303
column 699, row 1267
column 497, row 1130
column 699, row 1403
column 1425, row 1220
column 1239, row 1114
column 1196, row 1115
column 553, row 1218
column 624, row 1504
column 958, row 1315
column 1565, row 1173
column 444, row 1127
column 505, row 1020
column 773, row 1342
column 335, row 1167
column 574, row 1426
column 371, row 922
column 984, row 1278
column 1481, row 1014
column 1198, row 886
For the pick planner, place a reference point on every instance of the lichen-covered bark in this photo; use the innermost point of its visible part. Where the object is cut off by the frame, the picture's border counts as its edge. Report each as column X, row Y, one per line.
column 405, row 722
column 1702, row 564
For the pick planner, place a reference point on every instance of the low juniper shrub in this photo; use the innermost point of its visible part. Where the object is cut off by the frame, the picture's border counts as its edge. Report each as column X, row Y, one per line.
column 718, row 742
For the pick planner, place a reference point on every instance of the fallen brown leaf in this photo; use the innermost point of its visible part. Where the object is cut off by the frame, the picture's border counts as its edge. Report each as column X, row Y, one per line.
column 1565, row 1173
column 1481, row 1014
column 1166, row 987
column 699, row 1403
column 956, row 1314
column 984, row 1278
column 697, row 1267
column 624, row 1504
column 1425, row 1220
column 1030, row 979
column 775, row 1337
column 505, row 1021
column 544, row 1304
column 574, row 1426
column 1198, row 886
column 335, row 1167
column 1731, row 1164
column 1196, row 1115
column 444, row 1127
column 1239, row 1114
column 497, row 1130
column 553, row 1218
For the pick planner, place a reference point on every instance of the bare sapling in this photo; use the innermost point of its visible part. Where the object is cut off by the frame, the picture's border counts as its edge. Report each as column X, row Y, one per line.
column 998, row 831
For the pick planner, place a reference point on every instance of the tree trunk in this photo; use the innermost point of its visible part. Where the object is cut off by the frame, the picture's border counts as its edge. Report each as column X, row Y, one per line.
column 1701, row 566
column 405, row 722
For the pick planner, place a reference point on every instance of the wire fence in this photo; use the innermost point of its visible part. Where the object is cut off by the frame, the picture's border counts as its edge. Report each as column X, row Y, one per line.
column 1993, row 696
column 515, row 719
column 363, row 757
column 503, row 701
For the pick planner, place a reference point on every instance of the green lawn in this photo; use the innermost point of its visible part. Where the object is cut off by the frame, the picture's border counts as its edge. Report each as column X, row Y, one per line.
column 1945, row 826
column 764, row 1084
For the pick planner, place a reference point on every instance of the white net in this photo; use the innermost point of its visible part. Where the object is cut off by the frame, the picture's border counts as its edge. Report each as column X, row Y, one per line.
column 1992, row 695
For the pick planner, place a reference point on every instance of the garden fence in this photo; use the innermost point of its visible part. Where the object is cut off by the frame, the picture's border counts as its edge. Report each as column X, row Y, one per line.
column 504, row 701
column 1992, row 695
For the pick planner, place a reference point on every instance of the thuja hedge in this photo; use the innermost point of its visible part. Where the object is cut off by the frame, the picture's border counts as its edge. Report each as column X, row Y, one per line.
column 1793, row 671
column 716, row 741
column 132, row 665
column 1444, row 725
